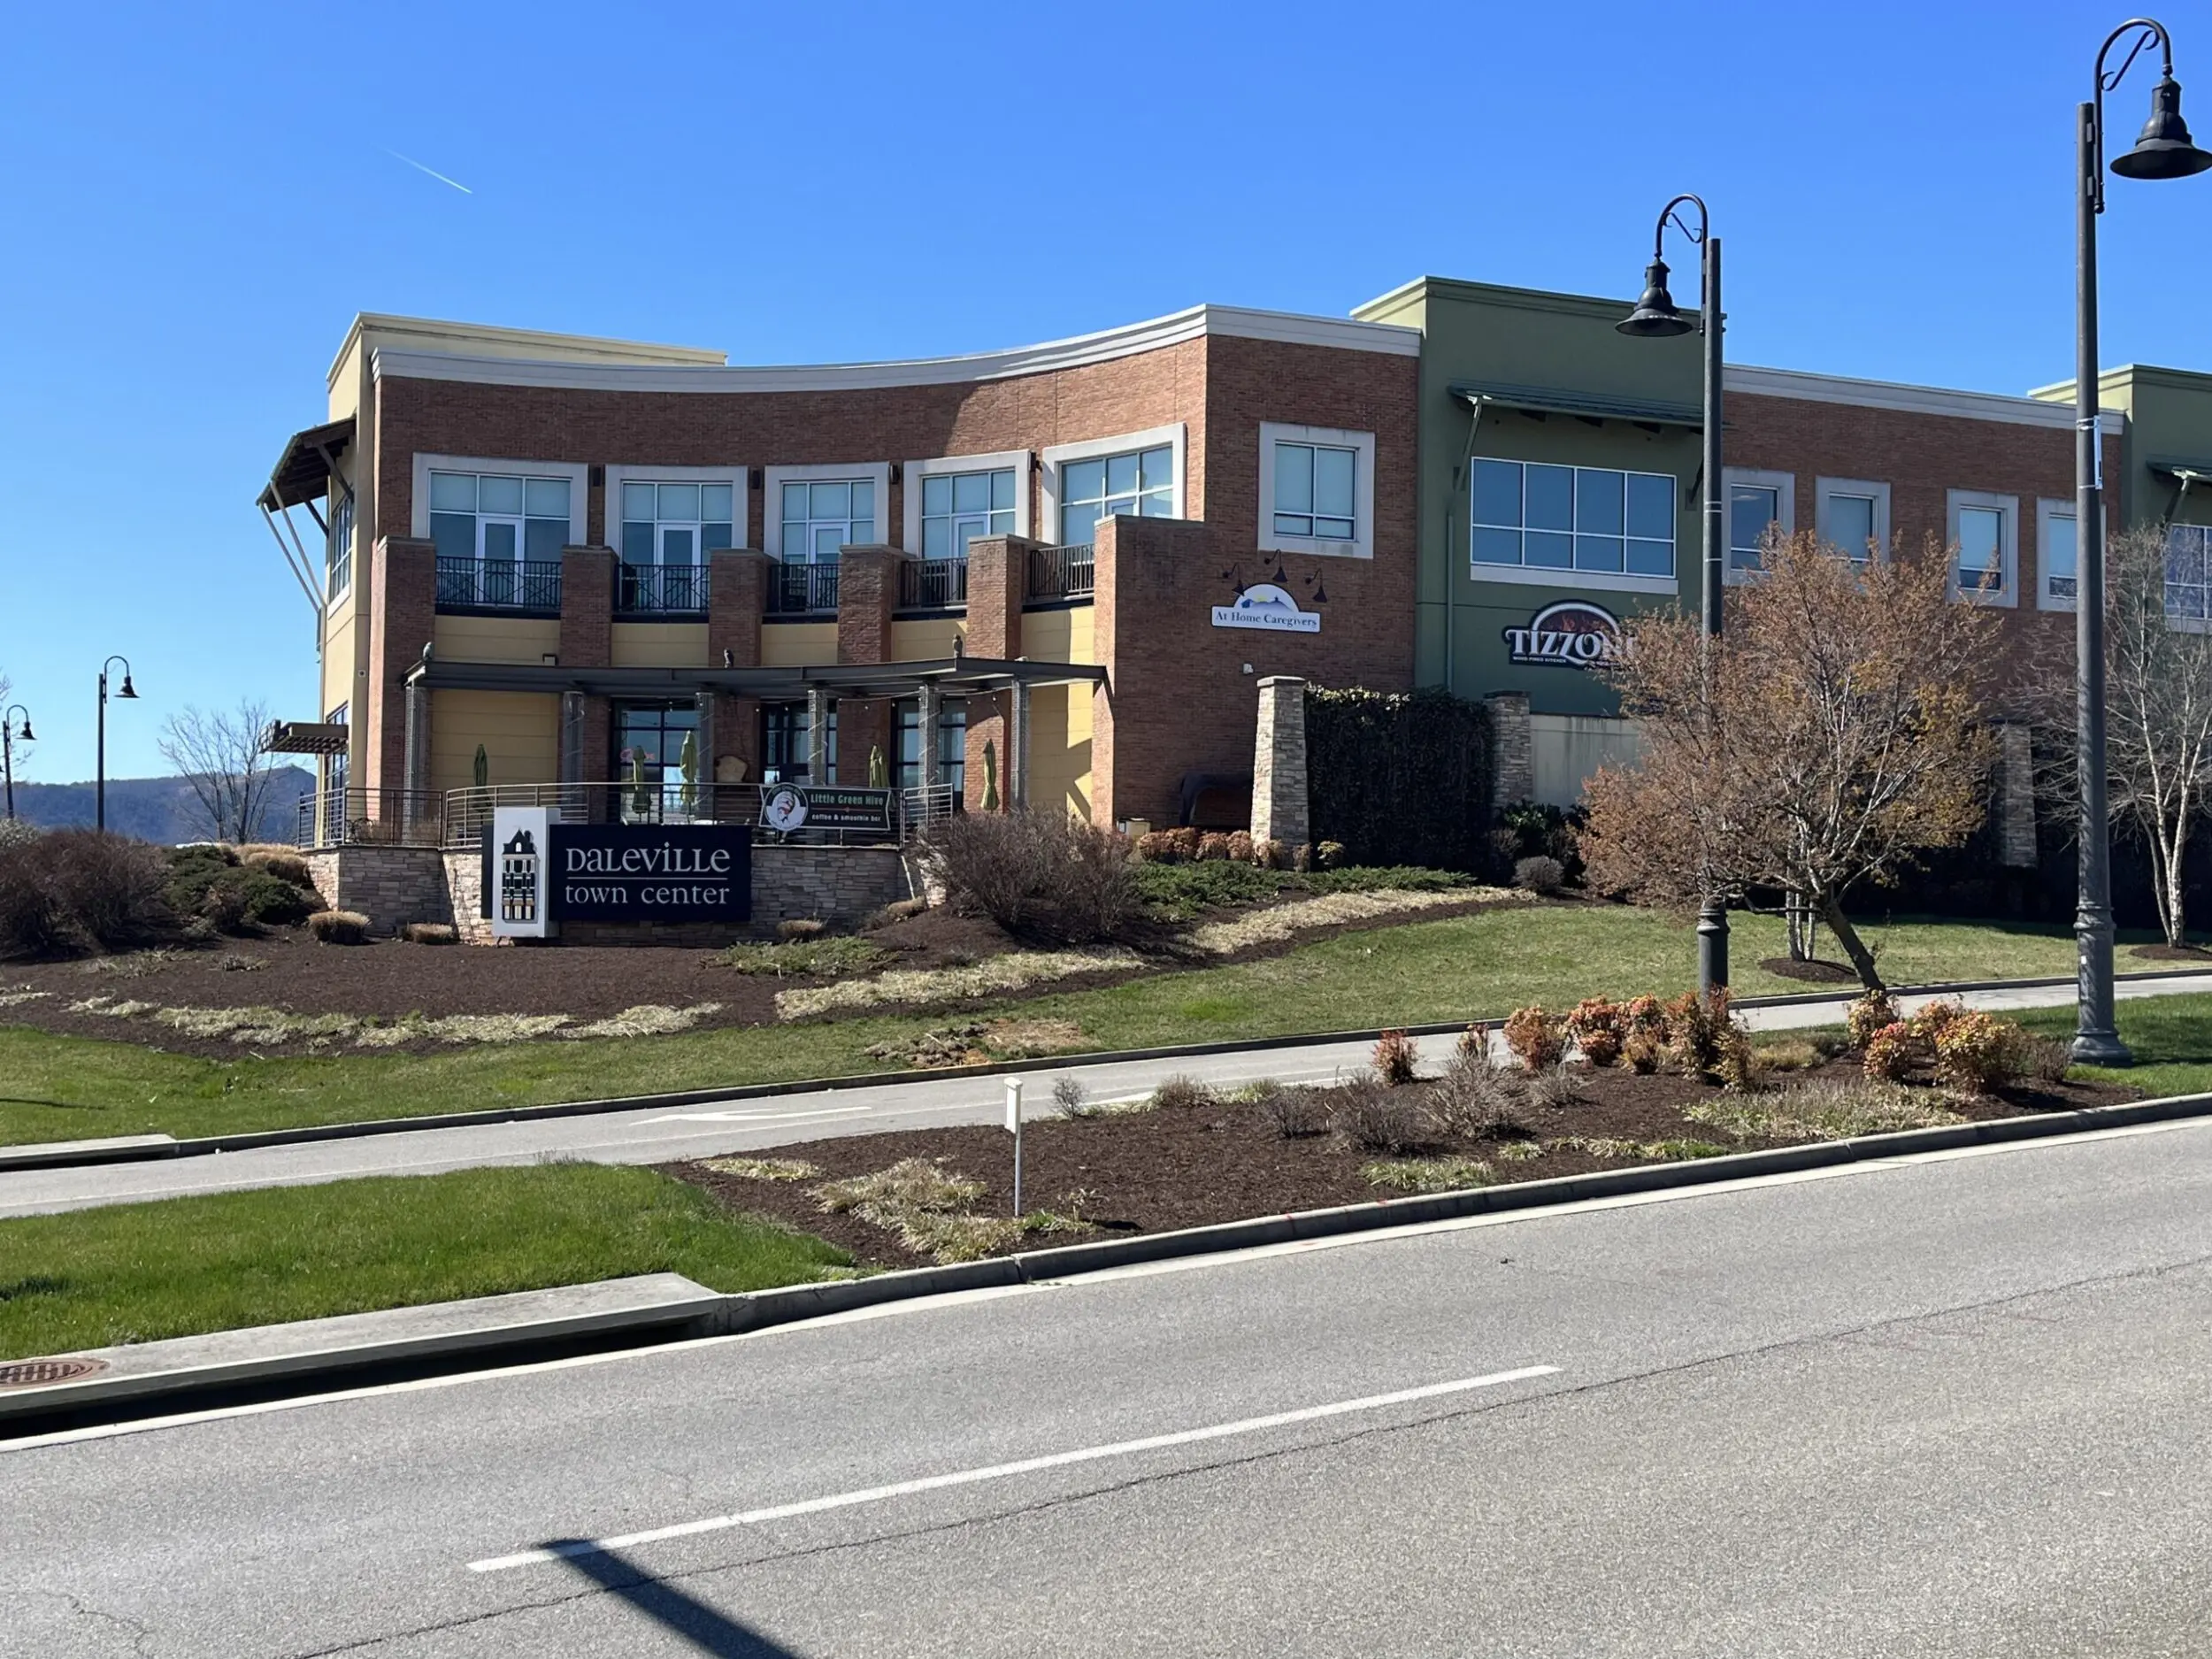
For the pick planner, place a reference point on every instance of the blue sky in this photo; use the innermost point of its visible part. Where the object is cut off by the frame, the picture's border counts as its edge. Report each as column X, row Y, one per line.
column 195, row 210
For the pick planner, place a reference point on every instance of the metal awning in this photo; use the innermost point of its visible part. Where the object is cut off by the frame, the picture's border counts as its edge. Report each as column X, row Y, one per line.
column 303, row 472
column 1543, row 400
column 971, row 676
column 303, row 737
column 2186, row 475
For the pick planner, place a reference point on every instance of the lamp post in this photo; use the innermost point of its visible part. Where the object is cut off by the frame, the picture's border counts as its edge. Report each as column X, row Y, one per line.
column 8, row 738
column 2164, row 150
column 1656, row 317
column 100, row 743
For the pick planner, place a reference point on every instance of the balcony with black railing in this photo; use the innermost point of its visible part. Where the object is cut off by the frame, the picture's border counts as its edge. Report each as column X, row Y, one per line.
column 802, row 590
column 1060, row 574
column 933, row 585
column 660, row 590
column 500, row 586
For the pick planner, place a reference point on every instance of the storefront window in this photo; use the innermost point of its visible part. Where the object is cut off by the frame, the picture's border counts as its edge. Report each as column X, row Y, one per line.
column 952, row 745
column 783, row 746
column 651, row 742
column 1537, row 516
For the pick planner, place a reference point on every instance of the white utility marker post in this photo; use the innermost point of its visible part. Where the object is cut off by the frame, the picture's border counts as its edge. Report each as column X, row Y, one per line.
column 1014, row 1128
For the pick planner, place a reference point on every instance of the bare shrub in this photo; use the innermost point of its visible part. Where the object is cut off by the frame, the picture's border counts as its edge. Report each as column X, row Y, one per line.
column 1181, row 1092
column 1557, row 1087
column 1041, row 875
column 1397, row 1059
column 1072, row 1100
column 1370, row 1116
column 429, row 934
column 79, row 889
column 283, row 862
column 798, row 929
column 1473, row 1103
column 1539, row 874
column 1296, row 1114
column 339, row 927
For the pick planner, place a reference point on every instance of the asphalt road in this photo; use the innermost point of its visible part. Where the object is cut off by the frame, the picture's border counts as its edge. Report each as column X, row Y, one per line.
column 658, row 1134
column 1951, row 1408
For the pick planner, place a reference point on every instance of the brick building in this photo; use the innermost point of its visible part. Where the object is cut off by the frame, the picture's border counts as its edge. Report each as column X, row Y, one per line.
column 552, row 559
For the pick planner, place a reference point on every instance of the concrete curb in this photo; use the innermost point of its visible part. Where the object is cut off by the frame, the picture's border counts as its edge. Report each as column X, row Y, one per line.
column 712, row 1315
column 134, row 1149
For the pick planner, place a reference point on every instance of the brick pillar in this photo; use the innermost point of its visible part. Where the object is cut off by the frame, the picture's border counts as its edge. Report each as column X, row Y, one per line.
column 2016, row 796
column 737, row 590
column 404, row 602
column 867, row 594
column 586, row 607
column 998, row 577
column 1279, row 763
column 735, row 763
column 1512, row 763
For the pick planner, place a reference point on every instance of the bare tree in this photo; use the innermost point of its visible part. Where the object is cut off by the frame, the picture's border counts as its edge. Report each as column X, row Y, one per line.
column 218, row 753
column 1834, row 732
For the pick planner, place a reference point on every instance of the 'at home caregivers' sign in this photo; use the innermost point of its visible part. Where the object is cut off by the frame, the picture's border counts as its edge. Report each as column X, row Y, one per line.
column 540, row 873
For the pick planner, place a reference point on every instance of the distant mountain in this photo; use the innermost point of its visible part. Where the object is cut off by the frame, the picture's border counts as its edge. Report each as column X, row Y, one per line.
column 156, row 808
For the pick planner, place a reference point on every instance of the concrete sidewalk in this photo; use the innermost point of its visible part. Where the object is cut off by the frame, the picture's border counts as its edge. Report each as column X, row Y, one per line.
column 654, row 1134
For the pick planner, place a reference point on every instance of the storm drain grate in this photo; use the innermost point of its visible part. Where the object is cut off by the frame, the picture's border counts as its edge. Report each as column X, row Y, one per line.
column 32, row 1373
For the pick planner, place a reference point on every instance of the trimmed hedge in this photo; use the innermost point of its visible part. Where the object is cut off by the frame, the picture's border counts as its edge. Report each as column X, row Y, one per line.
column 1399, row 779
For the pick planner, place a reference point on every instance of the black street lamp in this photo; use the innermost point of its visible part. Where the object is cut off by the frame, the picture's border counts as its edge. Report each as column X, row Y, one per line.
column 2164, row 150
column 1656, row 317
column 100, row 749
column 8, row 736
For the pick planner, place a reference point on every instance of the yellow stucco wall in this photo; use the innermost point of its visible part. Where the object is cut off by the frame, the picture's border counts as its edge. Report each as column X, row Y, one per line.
column 924, row 638
column 1060, row 749
column 798, row 644
column 659, row 645
column 520, row 732
column 1059, row 636
column 495, row 638
column 338, row 657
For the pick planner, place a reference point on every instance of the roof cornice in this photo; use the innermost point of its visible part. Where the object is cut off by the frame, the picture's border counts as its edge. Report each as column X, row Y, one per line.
column 1912, row 400
column 1154, row 335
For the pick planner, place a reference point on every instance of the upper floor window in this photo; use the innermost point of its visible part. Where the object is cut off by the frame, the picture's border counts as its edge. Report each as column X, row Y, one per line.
column 957, row 507
column 1317, row 490
column 498, row 517
column 1141, row 483
column 1984, row 539
column 1757, row 502
column 2057, row 554
column 676, row 524
column 2189, row 575
column 1853, row 517
column 1582, row 518
column 338, row 568
column 821, row 517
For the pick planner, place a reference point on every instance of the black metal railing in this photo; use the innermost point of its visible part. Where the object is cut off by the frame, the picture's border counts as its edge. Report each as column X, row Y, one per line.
column 933, row 584
column 465, row 813
column 499, row 585
column 1060, row 572
column 660, row 589
column 359, row 818
column 798, row 590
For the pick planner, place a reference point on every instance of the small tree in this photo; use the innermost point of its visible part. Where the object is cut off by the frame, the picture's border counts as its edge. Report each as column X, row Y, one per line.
column 218, row 753
column 1834, row 733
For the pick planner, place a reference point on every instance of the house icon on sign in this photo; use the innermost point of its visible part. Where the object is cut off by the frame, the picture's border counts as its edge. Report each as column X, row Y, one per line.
column 518, row 879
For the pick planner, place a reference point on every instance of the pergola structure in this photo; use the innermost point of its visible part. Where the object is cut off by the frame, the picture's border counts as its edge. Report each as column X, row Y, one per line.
column 929, row 680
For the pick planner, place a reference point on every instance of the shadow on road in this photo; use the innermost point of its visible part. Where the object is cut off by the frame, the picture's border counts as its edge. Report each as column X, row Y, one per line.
column 680, row 1614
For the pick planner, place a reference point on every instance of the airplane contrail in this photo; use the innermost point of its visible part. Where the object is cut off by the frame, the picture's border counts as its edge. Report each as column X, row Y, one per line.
column 432, row 172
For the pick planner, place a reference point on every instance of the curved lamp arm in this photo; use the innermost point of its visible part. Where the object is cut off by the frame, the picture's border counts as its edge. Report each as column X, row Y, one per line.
column 2147, row 30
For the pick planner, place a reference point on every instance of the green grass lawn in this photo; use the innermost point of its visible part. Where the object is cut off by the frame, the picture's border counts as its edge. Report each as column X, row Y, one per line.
column 1479, row 966
column 2170, row 1036
column 140, row 1272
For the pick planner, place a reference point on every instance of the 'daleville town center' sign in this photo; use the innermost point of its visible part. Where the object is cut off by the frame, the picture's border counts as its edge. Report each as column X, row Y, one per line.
column 539, row 872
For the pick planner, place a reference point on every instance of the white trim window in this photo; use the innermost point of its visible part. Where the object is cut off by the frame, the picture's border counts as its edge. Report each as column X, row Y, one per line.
column 2189, row 578
column 815, row 512
column 2057, row 555
column 1571, row 527
column 1984, row 532
column 1317, row 491
column 953, row 499
column 1757, row 502
column 338, row 566
column 1852, row 516
column 1137, row 473
column 500, row 518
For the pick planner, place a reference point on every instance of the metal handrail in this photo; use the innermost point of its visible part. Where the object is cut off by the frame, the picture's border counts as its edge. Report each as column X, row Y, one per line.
column 802, row 590
column 933, row 584
column 660, row 589
column 468, row 812
column 499, row 585
column 366, row 818
column 1061, row 572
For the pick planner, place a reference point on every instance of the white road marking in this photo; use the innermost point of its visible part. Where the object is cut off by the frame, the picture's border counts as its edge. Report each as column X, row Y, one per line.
column 1003, row 1472
column 1103, row 1276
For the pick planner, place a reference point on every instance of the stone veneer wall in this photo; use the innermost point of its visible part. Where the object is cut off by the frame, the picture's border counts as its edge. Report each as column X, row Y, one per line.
column 842, row 885
column 391, row 885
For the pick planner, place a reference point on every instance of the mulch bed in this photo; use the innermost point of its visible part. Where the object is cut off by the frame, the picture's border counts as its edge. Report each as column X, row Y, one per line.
column 1172, row 1167
column 2170, row 952
column 286, row 969
column 1812, row 971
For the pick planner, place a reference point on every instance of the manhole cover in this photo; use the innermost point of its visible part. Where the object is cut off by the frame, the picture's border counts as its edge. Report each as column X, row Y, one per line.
column 33, row 1373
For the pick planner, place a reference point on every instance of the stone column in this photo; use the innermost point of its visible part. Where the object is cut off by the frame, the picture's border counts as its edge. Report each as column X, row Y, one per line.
column 703, row 803
column 572, row 737
column 415, row 804
column 818, row 707
column 2016, row 796
column 929, row 708
column 1512, row 762
column 1279, row 763
column 1017, row 723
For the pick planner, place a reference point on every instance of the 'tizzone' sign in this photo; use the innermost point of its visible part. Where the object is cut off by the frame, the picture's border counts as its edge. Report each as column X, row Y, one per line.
column 1573, row 633
column 540, row 873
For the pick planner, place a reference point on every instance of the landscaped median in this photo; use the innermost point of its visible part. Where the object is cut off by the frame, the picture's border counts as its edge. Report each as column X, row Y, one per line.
column 59, row 1083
